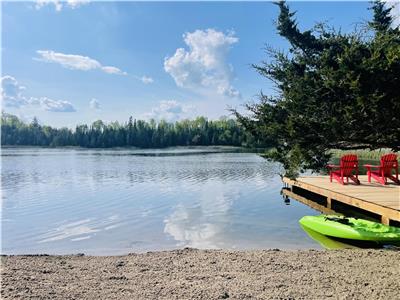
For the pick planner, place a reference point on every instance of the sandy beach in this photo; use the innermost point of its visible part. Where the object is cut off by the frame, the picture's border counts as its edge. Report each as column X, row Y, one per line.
column 205, row 274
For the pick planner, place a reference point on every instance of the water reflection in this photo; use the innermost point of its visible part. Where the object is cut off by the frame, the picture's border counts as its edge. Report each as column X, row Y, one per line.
column 79, row 230
column 71, row 200
column 202, row 224
column 186, row 226
column 331, row 243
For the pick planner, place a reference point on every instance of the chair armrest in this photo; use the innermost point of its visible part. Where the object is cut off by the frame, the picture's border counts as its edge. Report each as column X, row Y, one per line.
column 330, row 166
column 371, row 166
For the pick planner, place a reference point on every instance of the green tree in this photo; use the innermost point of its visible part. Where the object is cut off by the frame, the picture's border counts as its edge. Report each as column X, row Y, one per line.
column 335, row 91
column 199, row 131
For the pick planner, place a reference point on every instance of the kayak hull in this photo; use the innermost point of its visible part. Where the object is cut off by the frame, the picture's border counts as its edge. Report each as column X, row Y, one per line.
column 351, row 228
column 326, row 241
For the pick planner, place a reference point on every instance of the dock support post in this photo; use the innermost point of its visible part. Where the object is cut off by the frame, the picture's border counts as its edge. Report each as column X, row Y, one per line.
column 385, row 220
column 328, row 202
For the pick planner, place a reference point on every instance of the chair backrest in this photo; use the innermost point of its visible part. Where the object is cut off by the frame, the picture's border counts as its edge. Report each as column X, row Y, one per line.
column 389, row 163
column 348, row 163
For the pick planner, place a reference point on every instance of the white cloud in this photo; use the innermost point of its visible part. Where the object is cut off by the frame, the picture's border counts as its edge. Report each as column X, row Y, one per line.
column 204, row 65
column 169, row 110
column 11, row 92
column 395, row 12
column 58, row 5
column 113, row 70
column 77, row 3
column 146, row 79
column 76, row 62
column 56, row 105
column 69, row 61
column 94, row 104
column 12, row 96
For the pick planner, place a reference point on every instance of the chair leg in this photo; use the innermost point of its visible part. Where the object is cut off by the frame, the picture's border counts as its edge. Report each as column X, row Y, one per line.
column 394, row 179
column 355, row 179
column 378, row 178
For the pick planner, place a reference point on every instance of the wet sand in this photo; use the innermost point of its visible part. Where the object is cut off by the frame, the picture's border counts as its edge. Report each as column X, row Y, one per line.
column 206, row 274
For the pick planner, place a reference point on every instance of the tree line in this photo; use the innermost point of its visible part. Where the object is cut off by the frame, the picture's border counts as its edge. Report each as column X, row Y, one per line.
column 134, row 133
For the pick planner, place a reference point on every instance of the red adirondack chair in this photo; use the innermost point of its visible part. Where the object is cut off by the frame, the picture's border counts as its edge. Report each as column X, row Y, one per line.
column 382, row 173
column 348, row 168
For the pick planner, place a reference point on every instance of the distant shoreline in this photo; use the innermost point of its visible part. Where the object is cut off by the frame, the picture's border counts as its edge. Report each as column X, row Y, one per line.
column 222, row 148
column 206, row 274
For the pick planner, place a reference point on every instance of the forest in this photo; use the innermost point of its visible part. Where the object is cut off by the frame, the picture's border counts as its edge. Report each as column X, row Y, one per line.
column 134, row 133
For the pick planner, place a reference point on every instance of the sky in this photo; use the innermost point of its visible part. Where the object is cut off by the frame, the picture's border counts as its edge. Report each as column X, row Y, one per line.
column 74, row 62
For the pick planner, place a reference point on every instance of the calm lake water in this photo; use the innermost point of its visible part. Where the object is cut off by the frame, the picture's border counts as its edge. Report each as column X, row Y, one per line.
column 102, row 202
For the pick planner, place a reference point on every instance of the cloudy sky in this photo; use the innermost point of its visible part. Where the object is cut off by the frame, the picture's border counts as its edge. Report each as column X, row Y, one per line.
column 77, row 61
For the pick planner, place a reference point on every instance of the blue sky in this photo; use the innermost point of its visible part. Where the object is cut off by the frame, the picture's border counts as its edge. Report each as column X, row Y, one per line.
column 70, row 64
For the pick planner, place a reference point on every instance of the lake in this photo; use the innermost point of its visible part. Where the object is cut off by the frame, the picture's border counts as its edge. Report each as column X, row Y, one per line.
column 107, row 202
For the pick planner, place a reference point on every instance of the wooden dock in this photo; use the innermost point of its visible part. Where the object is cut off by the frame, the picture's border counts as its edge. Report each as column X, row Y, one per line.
column 371, row 197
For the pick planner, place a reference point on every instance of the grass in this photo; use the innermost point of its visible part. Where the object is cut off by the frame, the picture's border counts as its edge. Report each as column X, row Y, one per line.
column 362, row 154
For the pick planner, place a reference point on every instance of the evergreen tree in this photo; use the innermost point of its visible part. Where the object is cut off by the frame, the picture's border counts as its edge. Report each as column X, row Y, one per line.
column 336, row 91
column 137, row 133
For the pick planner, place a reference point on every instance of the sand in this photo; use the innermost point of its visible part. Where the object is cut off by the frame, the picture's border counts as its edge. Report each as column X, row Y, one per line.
column 206, row 274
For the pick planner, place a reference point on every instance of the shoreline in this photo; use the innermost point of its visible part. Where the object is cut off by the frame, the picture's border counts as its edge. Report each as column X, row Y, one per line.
column 205, row 274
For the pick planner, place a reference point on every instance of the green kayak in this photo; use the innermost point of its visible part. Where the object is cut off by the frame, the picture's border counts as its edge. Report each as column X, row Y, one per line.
column 351, row 228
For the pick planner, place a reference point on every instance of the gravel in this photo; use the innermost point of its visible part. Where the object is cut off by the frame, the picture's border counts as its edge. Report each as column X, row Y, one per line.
column 205, row 274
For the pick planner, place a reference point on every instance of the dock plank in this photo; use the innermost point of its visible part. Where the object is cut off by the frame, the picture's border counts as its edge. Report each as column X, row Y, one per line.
column 373, row 197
